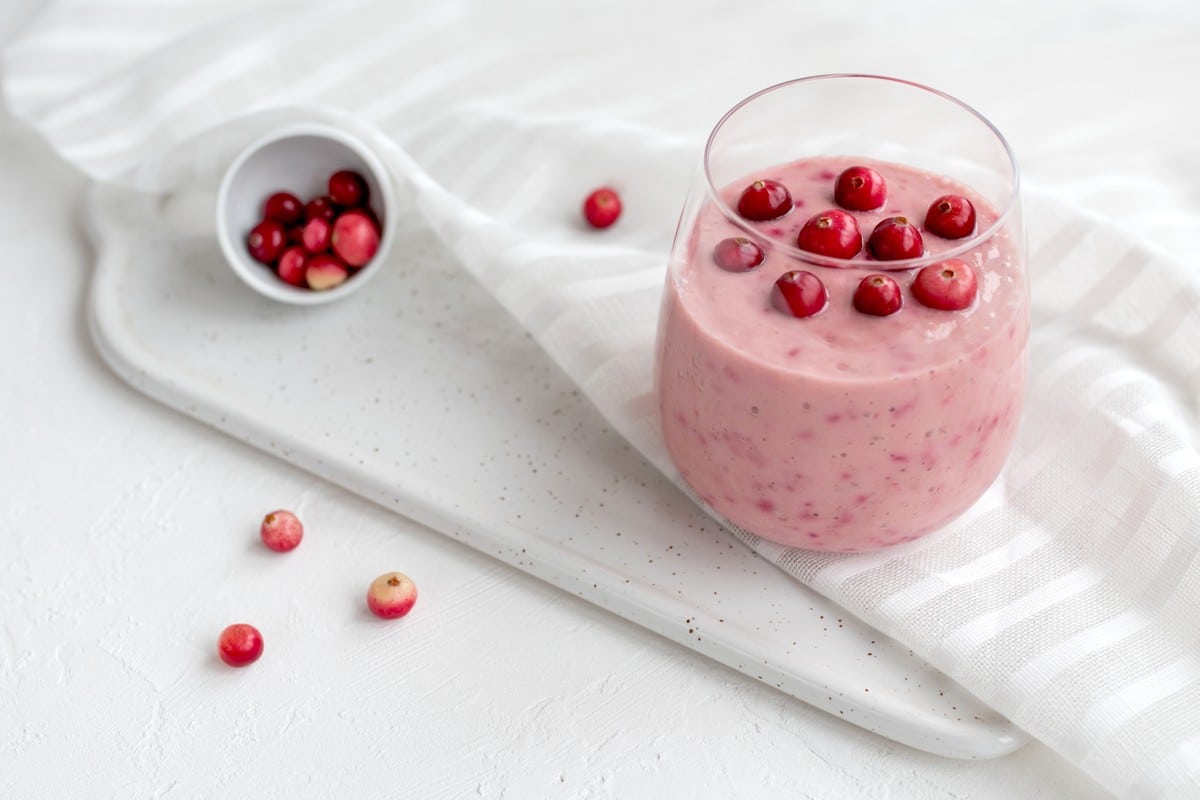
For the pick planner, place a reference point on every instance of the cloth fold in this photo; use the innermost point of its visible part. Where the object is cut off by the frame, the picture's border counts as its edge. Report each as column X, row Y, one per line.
column 1066, row 598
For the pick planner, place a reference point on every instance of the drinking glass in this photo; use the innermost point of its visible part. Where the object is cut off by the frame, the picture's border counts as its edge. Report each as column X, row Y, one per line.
column 844, row 430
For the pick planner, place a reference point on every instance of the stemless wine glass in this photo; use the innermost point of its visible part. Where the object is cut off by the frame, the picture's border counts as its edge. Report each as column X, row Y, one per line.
column 845, row 430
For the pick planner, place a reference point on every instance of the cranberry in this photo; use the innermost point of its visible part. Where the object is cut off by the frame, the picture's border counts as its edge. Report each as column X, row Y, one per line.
column 391, row 595
column 763, row 200
column 831, row 233
column 951, row 216
column 325, row 271
column 860, row 189
column 281, row 531
column 295, row 234
column 347, row 189
column 737, row 254
column 601, row 208
column 291, row 265
column 355, row 238
column 799, row 293
column 320, row 207
column 878, row 295
column 240, row 645
column 948, row 285
column 266, row 241
column 896, row 238
column 284, row 208
column 317, row 233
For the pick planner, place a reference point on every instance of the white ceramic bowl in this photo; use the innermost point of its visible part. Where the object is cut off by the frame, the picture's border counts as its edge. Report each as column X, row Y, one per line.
column 298, row 158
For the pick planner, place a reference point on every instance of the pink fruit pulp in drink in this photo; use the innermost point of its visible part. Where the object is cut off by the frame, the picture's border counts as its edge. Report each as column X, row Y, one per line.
column 841, row 431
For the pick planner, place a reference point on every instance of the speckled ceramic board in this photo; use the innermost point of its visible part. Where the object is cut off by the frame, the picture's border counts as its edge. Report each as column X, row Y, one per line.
column 421, row 394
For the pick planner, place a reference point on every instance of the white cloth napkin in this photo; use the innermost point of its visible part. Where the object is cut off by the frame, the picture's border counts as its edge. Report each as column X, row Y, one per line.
column 1068, row 598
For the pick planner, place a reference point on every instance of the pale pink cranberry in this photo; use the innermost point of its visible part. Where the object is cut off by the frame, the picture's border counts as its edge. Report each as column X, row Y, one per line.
column 799, row 293
column 266, row 241
column 317, row 234
column 347, row 189
column 602, row 207
column 948, row 285
column 951, row 216
column 283, row 207
column 764, row 200
column 860, row 189
column 391, row 595
column 320, row 207
column 878, row 295
column 894, row 239
column 240, row 645
column 291, row 266
column 281, row 531
column 355, row 238
column 737, row 254
column 325, row 271
column 832, row 233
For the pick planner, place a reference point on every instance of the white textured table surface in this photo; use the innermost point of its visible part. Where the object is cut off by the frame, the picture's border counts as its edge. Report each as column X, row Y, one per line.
column 128, row 540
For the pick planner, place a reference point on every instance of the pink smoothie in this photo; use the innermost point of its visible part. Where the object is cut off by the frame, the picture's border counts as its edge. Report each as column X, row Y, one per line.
column 841, row 431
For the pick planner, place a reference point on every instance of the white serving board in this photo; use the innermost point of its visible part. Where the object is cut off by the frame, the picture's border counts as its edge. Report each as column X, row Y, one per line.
column 418, row 392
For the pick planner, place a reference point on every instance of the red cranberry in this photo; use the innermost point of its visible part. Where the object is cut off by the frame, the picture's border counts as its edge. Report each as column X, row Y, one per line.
column 295, row 235
column 860, row 189
column 948, row 285
column 292, row 265
column 347, row 189
column 281, row 531
column 355, row 238
column 737, row 254
column 831, row 233
column 240, row 645
column 764, row 200
column 266, row 241
column 317, row 233
column 951, row 216
column 799, row 293
column 878, row 295
column 320, row 207
column 601, row 208
column 325, row 271
column 894, row 239
column 391, row 595
column 283, row 207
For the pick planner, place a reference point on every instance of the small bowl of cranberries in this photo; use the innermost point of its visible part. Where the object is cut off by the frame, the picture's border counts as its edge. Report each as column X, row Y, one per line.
column 306, row 214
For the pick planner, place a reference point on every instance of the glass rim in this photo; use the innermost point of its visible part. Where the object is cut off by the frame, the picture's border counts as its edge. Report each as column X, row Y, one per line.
column 965, row 246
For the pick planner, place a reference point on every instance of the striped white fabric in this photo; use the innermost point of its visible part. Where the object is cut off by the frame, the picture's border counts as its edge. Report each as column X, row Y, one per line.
column 1068, row 598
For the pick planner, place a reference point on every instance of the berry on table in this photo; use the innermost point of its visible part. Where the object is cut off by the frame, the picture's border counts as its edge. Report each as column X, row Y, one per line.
column 240, row 645
column 831, row 233
column 894, row 239
column 602, row 207
column 951, row 216
column 737, row 254
column 948, row 285
column 281, row 530
column 860, row 189
column 878, row 295
column 764, row 200
column 799, row 293
column 391, row 595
